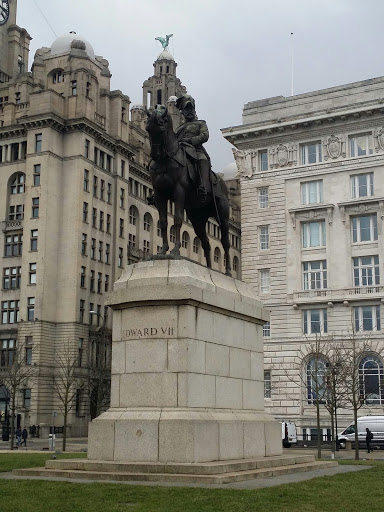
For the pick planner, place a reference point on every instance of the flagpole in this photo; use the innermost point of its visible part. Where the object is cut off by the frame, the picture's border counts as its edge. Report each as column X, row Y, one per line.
column 291, row 63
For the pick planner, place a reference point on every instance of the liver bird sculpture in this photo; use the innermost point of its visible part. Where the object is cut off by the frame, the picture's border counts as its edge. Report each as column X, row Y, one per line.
column 164, row 41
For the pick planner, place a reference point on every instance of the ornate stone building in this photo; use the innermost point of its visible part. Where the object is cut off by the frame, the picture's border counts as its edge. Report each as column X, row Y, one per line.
column 312, row 200
column 73, row 210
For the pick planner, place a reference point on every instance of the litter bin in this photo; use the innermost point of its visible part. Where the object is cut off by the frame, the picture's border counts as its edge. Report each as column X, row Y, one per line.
column 51, row 441
column 5, row 433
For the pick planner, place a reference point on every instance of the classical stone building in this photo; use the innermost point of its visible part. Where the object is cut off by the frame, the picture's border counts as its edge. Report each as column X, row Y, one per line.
column 73, row 210
column 312, row 201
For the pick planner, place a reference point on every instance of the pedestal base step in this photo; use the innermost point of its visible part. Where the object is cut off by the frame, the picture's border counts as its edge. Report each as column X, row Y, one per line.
column 218, row 472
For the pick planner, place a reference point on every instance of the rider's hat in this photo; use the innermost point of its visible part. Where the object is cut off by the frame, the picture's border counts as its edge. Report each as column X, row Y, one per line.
column 184, row 100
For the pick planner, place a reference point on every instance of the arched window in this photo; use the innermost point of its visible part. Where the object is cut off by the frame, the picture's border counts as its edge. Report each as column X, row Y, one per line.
column 172, row 235
column 17, row 184
column 371, row 380
column 133, row 215
column 158, row 228
column 316, row 382
column 147, row 222
column 196, row 245
column 185, row 240
column 217, row 256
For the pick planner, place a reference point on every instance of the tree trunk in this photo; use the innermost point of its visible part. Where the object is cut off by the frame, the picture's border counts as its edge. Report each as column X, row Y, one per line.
column 356, row 432
column 13, row 420
column 65, row 429
column 333, row 432
column 318, row 429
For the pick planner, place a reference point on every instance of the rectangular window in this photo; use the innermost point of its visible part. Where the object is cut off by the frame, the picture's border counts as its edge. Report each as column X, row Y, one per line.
column 264, row 237
column 32, row 273
column 120, row 257
column 122, row 197
column 121, row 228
column 106, row 284
column 265, row 282
column 360, row 145
column 146, row 245
column 267, row 384
column 108, row 224
column 109, row 192
column 36, row 175
column 263, row 160
column 31, row 309
column 84, row 244
column 88, row 90
column 93, row 249
column 27, row 398
column 28, row 356
column 11, row 278
column 92, row 281
column 99, row 282
column 80, row 352
column 7, row 352
column 102, row 189
column 263, row 197
column 83, row 275
column 91, row 308
column 315, row 275
column 313, row 234
column 122, row 169
column 367, row 318
column 86, row 181
column 101, row 251
column 85, row 212
column 34, row 238
column 13, row 245
column 86, row 148
column 95, row 185
column 74, row 87
column 35, row 207
column 364, row 228
column 310, row 153
column 131, row 240
column 267, row 329
column 38, row 142
column 315, row 321
column 362, row 185
column 312, row 192
column 107, row 253
column 94, row 217
column 16, row 212
column 101, row 221
column 81, row 310
column 366, row 271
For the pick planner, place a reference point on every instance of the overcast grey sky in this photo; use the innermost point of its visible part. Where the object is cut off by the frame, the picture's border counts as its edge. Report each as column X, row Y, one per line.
column 228, row 52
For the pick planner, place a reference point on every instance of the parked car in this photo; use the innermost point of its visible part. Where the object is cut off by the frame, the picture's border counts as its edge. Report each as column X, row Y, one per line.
column 375, row 425
column 288, row 433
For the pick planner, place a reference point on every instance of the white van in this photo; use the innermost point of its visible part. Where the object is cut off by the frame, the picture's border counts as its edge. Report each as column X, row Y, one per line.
column 288, row 433
column 375, row 425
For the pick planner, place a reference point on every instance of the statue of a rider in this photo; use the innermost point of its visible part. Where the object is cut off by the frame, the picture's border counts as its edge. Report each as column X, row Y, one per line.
column 195, row 132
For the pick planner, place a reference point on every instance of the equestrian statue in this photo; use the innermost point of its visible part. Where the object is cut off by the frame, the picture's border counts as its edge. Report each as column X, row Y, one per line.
column 180, row 170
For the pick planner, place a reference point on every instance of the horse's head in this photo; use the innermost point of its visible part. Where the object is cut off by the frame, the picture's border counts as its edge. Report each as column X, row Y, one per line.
column 157, row 128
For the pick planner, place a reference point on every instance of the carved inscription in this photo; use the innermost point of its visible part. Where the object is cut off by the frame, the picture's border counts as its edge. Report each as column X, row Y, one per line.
column 148, row 332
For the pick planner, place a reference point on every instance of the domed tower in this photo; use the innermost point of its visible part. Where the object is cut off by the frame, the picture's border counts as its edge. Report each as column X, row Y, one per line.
column 164, row 86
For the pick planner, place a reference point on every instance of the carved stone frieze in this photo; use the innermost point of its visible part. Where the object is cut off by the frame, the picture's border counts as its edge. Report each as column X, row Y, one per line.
column 334, row 147
column 243, row 159
column 283, row 155
column 311, row 213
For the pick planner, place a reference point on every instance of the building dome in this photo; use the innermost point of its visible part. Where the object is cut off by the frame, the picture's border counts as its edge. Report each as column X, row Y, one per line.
column 164, row 55
column 63, row 44
column 230, row 171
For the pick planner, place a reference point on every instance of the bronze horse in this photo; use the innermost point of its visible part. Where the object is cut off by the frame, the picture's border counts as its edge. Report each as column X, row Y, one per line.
column 171, row 182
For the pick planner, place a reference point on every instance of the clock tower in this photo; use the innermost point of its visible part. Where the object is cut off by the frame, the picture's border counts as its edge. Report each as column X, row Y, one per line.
column 14, row 43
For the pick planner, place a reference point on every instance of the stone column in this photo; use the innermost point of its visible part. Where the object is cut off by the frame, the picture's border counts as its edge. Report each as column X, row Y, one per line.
column 187, row 369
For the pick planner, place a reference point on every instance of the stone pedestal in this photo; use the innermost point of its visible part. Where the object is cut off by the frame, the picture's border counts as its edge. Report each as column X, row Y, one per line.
column 187, row 369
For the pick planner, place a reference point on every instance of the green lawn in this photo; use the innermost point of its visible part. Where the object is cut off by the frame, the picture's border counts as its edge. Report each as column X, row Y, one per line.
column 352, row 492
column 9, row 461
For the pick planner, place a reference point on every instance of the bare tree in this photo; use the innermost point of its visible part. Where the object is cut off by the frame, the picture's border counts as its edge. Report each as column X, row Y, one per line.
column 353, row 351
column 16, row 377
column 67, row 382
column 99, row 376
